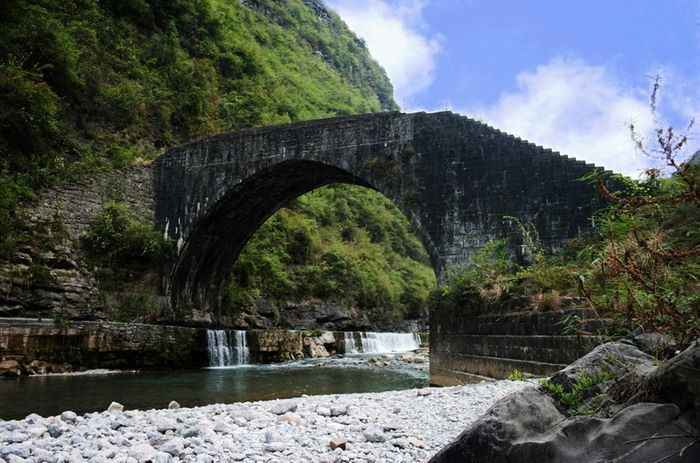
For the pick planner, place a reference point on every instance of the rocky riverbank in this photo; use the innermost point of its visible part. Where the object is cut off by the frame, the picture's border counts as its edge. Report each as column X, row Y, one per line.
column 417, row 360
column 396, row 426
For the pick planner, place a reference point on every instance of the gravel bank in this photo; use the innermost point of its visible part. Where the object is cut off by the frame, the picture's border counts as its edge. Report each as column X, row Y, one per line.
column 396, row 426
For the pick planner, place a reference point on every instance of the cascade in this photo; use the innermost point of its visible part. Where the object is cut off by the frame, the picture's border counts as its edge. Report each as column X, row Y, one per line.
column 350, row 345
column 222, row 354
column 381, row 343
column 241, row 351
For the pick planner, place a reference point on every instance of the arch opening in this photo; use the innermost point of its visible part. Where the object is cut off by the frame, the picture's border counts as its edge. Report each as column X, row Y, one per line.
column 341, row 258
column 200, row 278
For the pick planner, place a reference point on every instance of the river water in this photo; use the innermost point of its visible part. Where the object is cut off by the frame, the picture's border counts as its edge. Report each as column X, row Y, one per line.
column 52, row 394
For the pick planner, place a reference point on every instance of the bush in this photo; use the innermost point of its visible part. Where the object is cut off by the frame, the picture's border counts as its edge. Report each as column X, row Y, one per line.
column 116, row 237
column 572, row 400
column 486, row 276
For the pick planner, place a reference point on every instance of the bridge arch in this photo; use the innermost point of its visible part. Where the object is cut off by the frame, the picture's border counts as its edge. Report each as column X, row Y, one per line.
column 453, row 177
column 205, row 259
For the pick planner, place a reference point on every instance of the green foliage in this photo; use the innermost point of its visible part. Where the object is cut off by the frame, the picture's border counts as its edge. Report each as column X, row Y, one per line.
column 339, row 242
column 572, row 399
column 641, row 264
column 486, row 276
column 316, row 332
column 517, row 375
column 116, row 237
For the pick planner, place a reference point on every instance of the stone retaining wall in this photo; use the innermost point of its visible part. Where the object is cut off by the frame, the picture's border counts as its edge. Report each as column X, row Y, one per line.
column 74, row 205
column 56, row 346
column 65, row 286
column 468, row 347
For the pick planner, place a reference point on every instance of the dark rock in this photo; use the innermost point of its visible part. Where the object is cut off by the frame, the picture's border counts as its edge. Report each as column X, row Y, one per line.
column 617, row 358
column 55, row 430
column 659, row 345
column 10, row 310
column 528, row 426
column 522, row 415
column 21, row 258
column 620, row 438
column 678, row 380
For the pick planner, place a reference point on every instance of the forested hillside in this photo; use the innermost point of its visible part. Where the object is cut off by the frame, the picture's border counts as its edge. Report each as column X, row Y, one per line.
column 340, row 242
column 88, row 86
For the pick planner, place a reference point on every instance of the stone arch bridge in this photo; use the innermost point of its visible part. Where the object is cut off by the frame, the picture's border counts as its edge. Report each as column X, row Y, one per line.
column 455, row 178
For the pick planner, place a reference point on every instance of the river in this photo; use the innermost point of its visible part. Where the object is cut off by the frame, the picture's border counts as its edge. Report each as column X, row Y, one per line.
column 51, row 394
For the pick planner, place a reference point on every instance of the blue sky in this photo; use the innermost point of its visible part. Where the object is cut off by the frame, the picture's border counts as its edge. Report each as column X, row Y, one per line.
column 570, row 75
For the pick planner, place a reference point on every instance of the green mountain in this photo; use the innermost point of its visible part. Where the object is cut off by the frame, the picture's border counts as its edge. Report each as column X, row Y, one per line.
column 88, row 85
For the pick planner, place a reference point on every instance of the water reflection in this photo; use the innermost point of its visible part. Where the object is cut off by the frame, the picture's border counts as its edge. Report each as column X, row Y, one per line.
column 50, row 395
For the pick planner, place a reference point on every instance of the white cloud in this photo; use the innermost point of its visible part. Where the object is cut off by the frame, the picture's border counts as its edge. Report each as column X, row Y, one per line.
column 396, row 38
column 578, row 109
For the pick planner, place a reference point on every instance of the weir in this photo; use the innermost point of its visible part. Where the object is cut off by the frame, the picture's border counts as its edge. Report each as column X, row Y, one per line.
column 222, row 353
column 380, row 343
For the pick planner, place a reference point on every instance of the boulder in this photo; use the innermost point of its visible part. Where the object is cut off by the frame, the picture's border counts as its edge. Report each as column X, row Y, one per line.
column 530, row 426
column 39, row 367
column 174, row 446
column 626, row 437
column 115, row 407
column 339, row 410
column 414, row 441
column 527, row 427
column 659, row 345
column 10, row 368
column 142, row 452
column 69, row 416
column 374, row 434
column 523, row 415
column 620, row 359
column 678, row 380
column 289, row 418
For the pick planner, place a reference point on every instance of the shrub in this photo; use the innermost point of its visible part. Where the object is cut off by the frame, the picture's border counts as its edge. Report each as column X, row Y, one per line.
column 487, row 276
column 573, row 399
column 116, row 237
column 517, row 375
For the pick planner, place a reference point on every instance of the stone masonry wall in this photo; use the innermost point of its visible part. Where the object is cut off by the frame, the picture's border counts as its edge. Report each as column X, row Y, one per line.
column 467, row 348
column 74, row 205
column 56, row 346
column 48, row 278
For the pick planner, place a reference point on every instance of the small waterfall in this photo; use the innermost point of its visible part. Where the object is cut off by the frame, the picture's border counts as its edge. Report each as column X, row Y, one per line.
column 222, row 354
column 240, row 350
column 381, row 343
column 350, row 345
